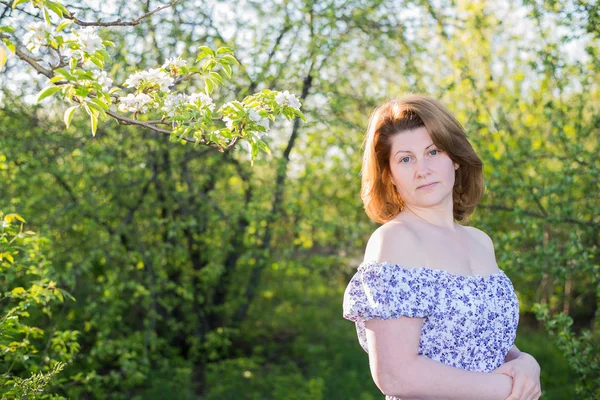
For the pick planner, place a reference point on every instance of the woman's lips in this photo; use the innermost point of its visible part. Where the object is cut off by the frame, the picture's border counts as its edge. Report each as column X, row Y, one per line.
column 428, row 186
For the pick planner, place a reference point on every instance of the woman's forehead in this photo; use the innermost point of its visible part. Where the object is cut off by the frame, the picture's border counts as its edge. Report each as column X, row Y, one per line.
column 411, row 141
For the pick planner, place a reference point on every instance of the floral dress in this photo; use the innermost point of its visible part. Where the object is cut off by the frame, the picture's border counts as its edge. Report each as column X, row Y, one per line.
column 469, row 321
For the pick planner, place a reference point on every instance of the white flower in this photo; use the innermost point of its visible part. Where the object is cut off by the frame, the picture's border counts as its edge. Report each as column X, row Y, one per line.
column 161, row 78
column 134, row 103
column 153, row 77
column 205, row 100
column 172, row 102
column 134, row 80
column 174, row 64
column 287, row 99
column 89, row 40
column 103, row 79
column 264, row 122
column 254, row 116
column 34, row 39
column 228, row 122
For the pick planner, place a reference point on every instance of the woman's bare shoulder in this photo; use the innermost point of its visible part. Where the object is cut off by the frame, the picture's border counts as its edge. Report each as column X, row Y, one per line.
column 481, row 237
column 395, row 242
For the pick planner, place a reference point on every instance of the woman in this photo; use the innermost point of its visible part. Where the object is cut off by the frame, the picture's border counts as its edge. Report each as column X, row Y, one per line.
column 432, row 309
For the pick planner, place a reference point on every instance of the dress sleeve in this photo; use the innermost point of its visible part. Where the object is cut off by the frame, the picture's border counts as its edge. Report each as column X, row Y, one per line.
column 384, row 290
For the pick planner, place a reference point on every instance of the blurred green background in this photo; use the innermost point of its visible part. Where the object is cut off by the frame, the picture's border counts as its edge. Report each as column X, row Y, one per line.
column 160, row 270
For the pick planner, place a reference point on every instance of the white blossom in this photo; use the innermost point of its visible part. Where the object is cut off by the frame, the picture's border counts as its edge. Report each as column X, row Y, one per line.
column 36, row 37
column 174, row 64
column 254, row 116
column 205, row 100
column 89, row 40
column 172, row 102
column 134, row 79
column 153, row 77
column 228, row 123
column 264, row 122
column 134, row 102
column 103, row 79
column 287, row 99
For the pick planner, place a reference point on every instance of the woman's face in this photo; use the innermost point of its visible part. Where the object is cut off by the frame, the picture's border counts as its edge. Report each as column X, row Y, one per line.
column 414, row 162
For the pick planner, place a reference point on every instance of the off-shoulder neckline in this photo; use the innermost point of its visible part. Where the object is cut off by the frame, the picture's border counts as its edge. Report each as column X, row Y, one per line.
column 435, row 270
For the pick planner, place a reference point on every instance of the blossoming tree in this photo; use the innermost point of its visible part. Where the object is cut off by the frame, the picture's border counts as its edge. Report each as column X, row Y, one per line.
column 156, row 100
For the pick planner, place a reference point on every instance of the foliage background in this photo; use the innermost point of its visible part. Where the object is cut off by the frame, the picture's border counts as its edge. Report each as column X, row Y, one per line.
column 196, row 274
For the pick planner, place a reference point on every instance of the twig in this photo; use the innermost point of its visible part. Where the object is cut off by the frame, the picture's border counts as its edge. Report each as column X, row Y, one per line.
column 118, row 22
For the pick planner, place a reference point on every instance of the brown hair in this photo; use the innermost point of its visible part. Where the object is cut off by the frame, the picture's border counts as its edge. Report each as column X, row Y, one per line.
column 380, row 198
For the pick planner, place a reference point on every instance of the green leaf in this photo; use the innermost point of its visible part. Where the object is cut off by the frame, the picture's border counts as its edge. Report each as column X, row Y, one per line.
column 224, row 50
column 17, row 291
column 237, row 105
column 227, row 70
column 94, row 108
column 108, row 43
column 264, row 146
column 8, row 29
column 2, row 57
column 300, row 114
column 66, row 294
column 96, row 61
column 62, row 8
column 65, row 73
column 209, row 85
column 216, row 77
column 54, row 8
column 99, row 103
column 49, row 91
column 93, row 123
column 207, row 50
column 230, row 59
column 47, row 17
column 69, row 115
column 63, row 25
column 200, row 56
column 104, row 54
column 209, row 64
column 17, row 2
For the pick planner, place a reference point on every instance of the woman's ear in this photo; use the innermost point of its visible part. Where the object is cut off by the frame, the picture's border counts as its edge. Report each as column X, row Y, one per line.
column 456, row 166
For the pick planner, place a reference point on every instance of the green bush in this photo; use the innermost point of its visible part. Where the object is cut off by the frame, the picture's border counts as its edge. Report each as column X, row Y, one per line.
column 30, row 358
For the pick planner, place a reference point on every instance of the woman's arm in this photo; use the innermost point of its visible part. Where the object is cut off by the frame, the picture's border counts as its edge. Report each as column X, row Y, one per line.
column 399, row 371
column 512, row 354
column 426, row 379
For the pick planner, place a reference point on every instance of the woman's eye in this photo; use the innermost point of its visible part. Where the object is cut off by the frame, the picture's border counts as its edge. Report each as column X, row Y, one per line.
column 436, row 151
column 405, row 158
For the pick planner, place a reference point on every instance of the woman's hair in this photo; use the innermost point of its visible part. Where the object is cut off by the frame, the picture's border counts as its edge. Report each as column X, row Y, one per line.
column 380, row 198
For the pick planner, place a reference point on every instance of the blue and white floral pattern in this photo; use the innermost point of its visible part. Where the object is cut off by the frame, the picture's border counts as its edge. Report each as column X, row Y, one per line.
column 469, row 321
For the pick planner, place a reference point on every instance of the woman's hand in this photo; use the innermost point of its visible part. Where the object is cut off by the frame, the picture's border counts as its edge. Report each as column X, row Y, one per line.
column 525, row 372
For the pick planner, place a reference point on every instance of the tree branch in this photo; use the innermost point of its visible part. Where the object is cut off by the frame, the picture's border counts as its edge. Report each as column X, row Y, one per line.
column 127, row 121
column 28, row 59
column 118, row 22
column 567, row 220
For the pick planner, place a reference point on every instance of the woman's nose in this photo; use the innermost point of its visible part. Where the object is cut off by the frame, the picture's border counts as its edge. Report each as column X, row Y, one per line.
column 422, row 168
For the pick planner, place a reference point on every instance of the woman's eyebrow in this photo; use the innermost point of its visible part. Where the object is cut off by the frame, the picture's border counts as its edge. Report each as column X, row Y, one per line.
column 406, row 151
